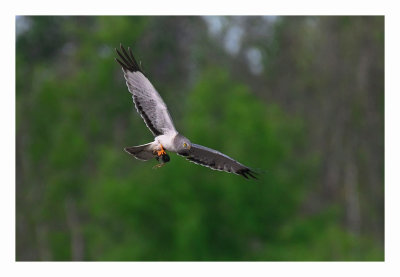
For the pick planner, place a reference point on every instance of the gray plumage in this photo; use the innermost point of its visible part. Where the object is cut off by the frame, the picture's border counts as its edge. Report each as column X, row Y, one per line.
column 216, row 160
column 148, row 102
column 141, row 152
column 154, row 112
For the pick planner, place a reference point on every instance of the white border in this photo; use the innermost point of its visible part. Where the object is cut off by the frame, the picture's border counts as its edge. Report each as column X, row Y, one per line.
column 207, row 7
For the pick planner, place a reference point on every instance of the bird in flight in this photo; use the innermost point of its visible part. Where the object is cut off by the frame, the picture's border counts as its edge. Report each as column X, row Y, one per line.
column 154, row 112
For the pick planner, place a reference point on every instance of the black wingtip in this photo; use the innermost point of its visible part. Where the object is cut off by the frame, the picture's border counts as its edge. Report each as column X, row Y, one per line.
column 121, row 63
column 127, row 61
column 246, row 173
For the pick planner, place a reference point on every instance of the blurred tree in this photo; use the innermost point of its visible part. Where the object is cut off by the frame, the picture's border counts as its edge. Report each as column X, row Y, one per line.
column 329, row 71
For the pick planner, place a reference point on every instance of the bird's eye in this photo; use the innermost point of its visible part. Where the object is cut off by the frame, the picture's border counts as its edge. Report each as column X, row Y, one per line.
column 185, row 145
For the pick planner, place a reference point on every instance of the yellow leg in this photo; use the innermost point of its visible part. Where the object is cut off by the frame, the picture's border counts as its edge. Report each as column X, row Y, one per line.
column 161, row 152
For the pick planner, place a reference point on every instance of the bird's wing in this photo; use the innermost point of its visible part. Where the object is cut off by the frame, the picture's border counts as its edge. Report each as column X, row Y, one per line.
column 216, row 160
column 148, row 102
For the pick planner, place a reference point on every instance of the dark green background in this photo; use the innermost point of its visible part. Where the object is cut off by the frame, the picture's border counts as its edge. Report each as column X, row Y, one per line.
column 299, row 98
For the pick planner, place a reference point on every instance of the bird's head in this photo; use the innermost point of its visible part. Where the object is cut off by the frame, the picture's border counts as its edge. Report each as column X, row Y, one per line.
column 182, row 144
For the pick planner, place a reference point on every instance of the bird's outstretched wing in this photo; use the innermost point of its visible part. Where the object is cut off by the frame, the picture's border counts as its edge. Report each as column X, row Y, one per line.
column 148, row 102
column 216, row 160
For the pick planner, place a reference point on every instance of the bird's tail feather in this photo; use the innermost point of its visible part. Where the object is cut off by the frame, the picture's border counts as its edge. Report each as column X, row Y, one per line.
column 141, row 152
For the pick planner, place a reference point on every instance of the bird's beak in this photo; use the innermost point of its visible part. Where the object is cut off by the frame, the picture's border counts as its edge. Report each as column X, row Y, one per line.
column 189, row 146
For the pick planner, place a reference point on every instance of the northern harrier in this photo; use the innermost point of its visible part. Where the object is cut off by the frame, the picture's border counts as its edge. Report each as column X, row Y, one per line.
column 153, row 110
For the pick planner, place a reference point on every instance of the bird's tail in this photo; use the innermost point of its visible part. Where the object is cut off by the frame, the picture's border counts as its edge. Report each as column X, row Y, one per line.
column 143, row 152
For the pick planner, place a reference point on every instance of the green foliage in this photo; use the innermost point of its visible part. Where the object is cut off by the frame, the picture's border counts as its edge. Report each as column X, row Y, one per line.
column 75, row 116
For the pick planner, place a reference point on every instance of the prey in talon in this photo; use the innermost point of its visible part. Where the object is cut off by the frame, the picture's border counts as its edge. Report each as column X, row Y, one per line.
column 162, row 159
column 161, row 156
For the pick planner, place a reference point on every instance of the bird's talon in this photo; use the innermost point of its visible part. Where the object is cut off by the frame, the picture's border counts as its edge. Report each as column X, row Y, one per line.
column 161, row 152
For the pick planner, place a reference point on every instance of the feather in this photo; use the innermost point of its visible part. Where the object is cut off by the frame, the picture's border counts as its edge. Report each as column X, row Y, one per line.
column 148, row 102
column 218, row 161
